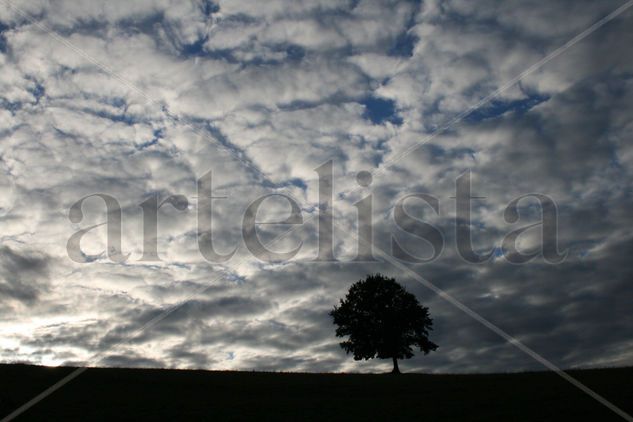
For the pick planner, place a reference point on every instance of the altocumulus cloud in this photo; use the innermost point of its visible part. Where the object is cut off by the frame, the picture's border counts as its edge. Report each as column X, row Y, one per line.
column 262, row 93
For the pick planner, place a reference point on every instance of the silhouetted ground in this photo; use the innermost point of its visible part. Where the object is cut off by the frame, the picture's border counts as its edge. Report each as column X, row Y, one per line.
column 100, row 394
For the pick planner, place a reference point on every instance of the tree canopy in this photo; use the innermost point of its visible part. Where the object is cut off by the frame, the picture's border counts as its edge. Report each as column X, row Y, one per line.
column 381, row 319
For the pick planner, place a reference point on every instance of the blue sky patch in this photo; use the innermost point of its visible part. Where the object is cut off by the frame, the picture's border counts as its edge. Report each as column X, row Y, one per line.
column 295, row 52
column 404, row 45
column 380, row 110
column 3, row 41
column 209, row 8
column 496, row 108
column 195, row 49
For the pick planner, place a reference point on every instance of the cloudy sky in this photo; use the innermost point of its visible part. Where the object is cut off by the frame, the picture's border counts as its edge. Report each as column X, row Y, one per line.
column 139, row 99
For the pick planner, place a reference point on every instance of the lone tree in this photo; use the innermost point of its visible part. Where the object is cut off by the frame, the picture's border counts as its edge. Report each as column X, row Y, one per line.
column 382, row 320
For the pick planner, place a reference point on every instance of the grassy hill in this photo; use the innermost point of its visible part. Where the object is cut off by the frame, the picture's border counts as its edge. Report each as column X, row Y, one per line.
column 100, row 394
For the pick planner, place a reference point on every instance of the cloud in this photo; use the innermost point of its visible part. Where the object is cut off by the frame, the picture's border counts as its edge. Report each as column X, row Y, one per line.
column 262, row 95
column 23, row 275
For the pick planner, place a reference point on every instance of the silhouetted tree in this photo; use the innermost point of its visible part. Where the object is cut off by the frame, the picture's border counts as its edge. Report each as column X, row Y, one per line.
column 382, row 320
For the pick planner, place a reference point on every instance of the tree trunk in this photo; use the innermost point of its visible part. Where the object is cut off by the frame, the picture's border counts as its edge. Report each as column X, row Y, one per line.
column 396, row 370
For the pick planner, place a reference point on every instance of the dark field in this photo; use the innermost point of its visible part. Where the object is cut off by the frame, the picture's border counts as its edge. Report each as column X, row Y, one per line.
column 100, row 394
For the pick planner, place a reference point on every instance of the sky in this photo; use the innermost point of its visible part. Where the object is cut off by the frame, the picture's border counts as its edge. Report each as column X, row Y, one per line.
column 140, row 99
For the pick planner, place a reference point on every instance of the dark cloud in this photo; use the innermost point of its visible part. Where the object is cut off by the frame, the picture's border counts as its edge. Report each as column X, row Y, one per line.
column 23, row 275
